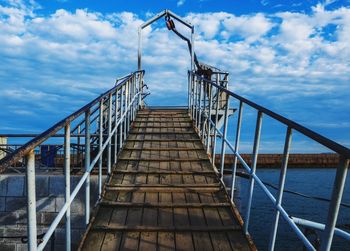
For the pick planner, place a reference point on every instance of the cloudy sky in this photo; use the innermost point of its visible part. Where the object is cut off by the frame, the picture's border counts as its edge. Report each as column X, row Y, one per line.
column 290, row 56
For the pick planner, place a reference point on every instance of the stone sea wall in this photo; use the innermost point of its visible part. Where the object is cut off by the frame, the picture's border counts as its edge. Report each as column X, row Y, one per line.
column 50, row 199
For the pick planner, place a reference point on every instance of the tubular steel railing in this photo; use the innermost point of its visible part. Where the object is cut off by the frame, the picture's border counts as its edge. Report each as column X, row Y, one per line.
column 108, row 119
column 204, row 98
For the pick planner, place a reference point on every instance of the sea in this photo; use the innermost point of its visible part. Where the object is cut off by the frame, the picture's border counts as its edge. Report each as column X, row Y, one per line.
column 310, row 181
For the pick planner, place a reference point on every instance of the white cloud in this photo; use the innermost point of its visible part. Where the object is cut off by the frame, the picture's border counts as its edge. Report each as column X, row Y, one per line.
column 180, row 2
column 78, row 54
column 249, row 27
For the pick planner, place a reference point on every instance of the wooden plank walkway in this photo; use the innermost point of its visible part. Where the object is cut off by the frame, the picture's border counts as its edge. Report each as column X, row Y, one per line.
column 164, row 193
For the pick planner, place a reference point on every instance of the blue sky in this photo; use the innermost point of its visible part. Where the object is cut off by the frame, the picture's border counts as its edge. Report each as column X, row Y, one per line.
column 290, row 56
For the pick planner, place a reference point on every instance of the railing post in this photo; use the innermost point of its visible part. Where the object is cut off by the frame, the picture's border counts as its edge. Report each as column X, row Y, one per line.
column 131, row 95
column 197, row 102
column 67, row 183
column 199, row 107
column 140, row 89
column 216, row 124
column 129, row 102
column 194, row 102
column 87, row 165
column 132, row 98
column 125, row 108
column 337, row 193
column 189, row 92
column 204, row 109
column 115, row 125
column 223, row 141
column 31, row 201
column 209, row 117
column 281, row 187
column 79, row 147
column 109, row 151
column 100, row 145
column 121, row 124
column 252, row 171
column 238, row 136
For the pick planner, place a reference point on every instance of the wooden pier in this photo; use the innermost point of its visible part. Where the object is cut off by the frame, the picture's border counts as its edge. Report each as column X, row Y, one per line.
column 164, row 193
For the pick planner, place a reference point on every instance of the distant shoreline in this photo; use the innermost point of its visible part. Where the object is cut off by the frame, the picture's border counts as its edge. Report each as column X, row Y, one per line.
column 296, row 160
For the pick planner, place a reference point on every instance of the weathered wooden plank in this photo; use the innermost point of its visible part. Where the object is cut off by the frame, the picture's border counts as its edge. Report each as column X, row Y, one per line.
column 141, row 228
column 164, row 193
column 93, row 241
column 130, row 241
column 165, row 213
column 167, row 189
column 111, row 241
column 144, row 172
column 148, row 241
column 201, row 239
column 166, row 240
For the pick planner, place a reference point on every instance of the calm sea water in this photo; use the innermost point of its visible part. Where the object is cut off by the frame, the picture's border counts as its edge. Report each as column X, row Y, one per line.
column 314, row 182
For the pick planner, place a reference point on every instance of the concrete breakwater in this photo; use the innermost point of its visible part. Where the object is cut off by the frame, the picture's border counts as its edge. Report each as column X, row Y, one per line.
column 299, row 160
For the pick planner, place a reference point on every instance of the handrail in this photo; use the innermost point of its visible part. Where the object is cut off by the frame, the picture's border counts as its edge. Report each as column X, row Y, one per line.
column 26, row 148
column 203, row 103
column 121, row 104
column 332, row 145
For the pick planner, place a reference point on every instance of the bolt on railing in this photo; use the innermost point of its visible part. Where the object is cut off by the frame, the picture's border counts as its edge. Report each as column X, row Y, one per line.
column 124, row 98
column 198, row 108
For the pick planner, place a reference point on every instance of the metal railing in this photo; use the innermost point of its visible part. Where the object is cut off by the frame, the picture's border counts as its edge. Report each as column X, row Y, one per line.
column 203, row 99
column 108, row 118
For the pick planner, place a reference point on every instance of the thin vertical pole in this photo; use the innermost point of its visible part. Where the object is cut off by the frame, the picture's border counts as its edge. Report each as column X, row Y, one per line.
column 238, row 135
column 192, row 57
column 253, row 169
column 130, row 99
column 79, row 147
column 216, row 125
column 197, row 101
column 100, row 145
column 125, row 108
column 129, row 103
column 281, row 187
column 194, row 98
column 338, row 189
column 109, row 153
column 121, row 121
column 115, row 125
column 192, row 79
column 199, row 107
column 140, row 74
column 223, row 141
column 204, row 109
column 31, row 201
column 189, row 76
column 87, row 165
column 209, row 117
column 67, row 183
column 192, row 51
column 139, row 51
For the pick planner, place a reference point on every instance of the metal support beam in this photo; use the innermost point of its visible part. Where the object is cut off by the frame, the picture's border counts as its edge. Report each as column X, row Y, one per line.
column 223, row 140
column 116, row 131
column 87, row 165
column 238, row 136
column 282, row 179
column 338, row 189
column 31, row 201
column 109, row 150
column 100, row 145
column 253, row 169
column 67, row 184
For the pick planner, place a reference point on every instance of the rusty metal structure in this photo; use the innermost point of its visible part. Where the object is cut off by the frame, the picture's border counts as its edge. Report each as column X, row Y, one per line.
column 162, row 186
